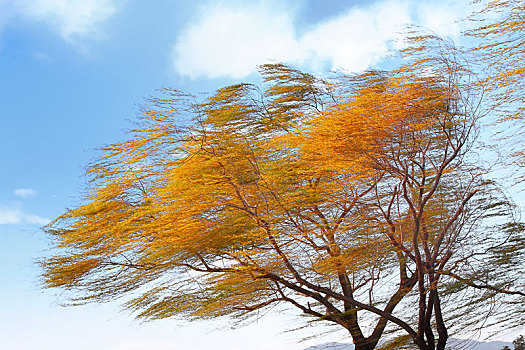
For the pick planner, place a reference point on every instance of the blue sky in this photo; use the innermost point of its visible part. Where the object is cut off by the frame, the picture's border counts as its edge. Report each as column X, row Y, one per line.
column 73, row 75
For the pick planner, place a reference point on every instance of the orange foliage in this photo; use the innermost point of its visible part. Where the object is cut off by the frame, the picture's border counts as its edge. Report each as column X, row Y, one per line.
column 335, row 197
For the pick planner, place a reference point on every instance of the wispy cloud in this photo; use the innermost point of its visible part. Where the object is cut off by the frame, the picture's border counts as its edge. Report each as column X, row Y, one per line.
column 71, row 19
column 230, row 40
column 444, row 17
column 24, row 192
column 9, row 216
column 13, row 214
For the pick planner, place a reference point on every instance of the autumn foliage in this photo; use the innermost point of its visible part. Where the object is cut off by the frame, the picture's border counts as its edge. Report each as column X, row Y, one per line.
column 358, row 200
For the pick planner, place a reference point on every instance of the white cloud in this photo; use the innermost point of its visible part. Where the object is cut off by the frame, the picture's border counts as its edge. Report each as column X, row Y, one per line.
column 9, row 216
column 443, row 17
column 358, row 39
column 35, row 219
column 13, row 214
column 24, row 192
column 71, row 19
column 231, row 40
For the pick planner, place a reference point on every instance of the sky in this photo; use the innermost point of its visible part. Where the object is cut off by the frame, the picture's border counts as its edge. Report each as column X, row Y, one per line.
column 73, row 77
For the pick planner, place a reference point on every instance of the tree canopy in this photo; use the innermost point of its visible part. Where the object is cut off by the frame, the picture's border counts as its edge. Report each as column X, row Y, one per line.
column 359, row 200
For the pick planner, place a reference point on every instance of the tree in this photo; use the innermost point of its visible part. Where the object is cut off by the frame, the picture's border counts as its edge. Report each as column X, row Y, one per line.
column 351, row 199
column 519, row 343
column 501, row 49
column 417, row 150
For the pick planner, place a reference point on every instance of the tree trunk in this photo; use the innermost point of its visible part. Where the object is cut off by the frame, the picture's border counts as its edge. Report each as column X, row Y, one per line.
column 364, row 345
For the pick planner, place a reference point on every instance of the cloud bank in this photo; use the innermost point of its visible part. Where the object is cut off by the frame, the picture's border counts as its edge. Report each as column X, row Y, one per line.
column 232, row 39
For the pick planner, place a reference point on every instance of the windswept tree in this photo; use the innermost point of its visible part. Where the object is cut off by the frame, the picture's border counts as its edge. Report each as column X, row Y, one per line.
column 499, row 42
column 434, row 196
column 501, row 45
column 357, row 200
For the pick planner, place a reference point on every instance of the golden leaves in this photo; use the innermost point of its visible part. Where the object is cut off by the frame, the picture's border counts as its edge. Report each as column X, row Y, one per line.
column 274, row 195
